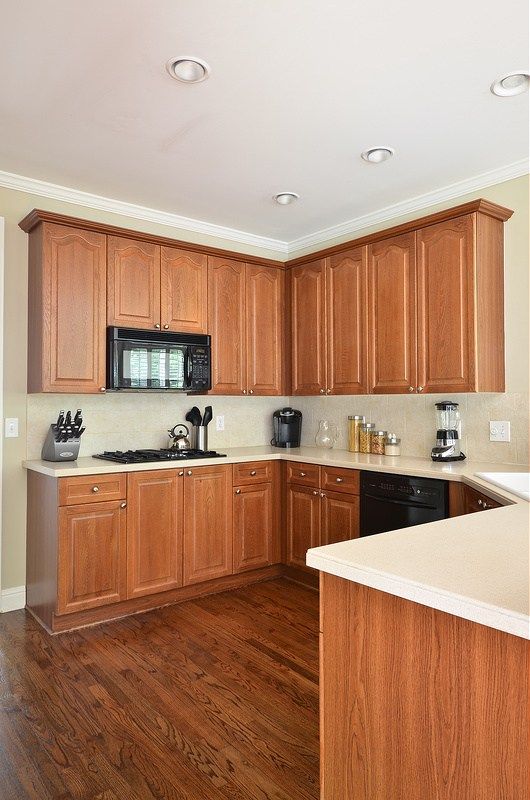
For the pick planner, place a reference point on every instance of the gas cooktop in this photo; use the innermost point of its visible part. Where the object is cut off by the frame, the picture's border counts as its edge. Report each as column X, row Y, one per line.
column 144, row 456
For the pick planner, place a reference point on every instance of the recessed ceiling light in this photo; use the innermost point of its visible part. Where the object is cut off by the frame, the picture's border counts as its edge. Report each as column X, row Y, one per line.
column 188, row 69
column 374, row 155
column 286, row 198
column 511, row 83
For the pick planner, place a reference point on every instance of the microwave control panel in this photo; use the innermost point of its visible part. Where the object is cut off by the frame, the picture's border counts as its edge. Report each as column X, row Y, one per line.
column 200, row 360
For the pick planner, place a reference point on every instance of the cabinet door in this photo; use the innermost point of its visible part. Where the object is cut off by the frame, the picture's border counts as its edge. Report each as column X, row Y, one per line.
column 154, row 532
column 67, row 311
column 226, row 322
column 183, row 290
column 207, row 523
column 308, row 328
column 303, row 523
column 445, row 301
column 253, row 526
column 133, row 283
column 92, row 556
column 347, row 322
column 264, row 318
column 340, row 517
column 392, row 315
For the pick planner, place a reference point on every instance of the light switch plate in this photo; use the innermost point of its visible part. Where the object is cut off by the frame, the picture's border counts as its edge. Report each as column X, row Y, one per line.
column 499, row 431
column 220, row 423
column 11, row 427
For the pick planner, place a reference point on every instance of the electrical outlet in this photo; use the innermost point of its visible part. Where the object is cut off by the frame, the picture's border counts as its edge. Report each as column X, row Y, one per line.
column 11, row 428
column 499, row 431
column 220, row 423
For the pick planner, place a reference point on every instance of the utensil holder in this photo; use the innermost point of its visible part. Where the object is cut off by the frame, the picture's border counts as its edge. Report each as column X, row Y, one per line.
column 59, row 451
column 202, row 438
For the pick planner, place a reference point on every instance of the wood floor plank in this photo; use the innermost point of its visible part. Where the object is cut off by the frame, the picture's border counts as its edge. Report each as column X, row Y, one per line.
column 212, row 699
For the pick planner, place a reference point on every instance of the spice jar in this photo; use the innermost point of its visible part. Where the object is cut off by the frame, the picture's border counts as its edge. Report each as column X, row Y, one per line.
column 378, row 443
column 365, row 436
column 354, row 430
column 392, row 445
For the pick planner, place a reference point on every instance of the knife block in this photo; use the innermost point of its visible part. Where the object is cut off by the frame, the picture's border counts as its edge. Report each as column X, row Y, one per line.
column 59, row 451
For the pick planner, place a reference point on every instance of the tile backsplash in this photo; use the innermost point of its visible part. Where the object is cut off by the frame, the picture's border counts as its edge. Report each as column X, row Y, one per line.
column 118, row 421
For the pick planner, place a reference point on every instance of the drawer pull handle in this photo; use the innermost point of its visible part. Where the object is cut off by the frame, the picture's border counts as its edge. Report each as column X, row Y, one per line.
column 95, row 489
column 339, row 480
column 238, row 491
column 123, row 505
column 253, row 472
column 303, row 474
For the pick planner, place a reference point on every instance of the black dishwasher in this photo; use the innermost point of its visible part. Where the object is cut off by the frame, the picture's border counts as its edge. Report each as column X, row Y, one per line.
column 389, row 502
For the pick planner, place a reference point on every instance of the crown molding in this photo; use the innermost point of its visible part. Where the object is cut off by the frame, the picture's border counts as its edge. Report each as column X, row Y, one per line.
column 304, row 243
column 414, row 204
column 65, row 194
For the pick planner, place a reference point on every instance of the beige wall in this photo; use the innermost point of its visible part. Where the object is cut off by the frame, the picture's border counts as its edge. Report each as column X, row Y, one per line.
column 15, row 205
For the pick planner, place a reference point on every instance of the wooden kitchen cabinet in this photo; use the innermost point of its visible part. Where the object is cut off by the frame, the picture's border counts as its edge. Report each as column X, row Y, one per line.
column 392, row 315
column 133, row 283
column 66, row 310
column 91, row 569
column 303, row 523
column 253, row 526
column 207, row 523
column 154, row 531
column 226, row 322
column 183, row 290
column 340, row 517
column 264, row 329
column 308, row 328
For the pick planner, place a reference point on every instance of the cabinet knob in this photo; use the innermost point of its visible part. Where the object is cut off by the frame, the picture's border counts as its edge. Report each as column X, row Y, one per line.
column 181, row 473
column 411, row 388
column 251, row 391
column 157, row 326
column 238, row 491
column 485, row 505
column 322, row 391
column 95, row 489
column 339, row 480
column 303, row 474
column 328, row 391
column 166, row 327
column 189, row 472
column 252, row 471
column 322, row 495
column 420, row 388
column 102, row 389
column 123, row 505
column 244, row 391
column 479, row 501
column 315, row 492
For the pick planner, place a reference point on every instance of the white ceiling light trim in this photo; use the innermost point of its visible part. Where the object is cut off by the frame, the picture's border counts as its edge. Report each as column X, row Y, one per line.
column 418, row 203
column 65, row 194
column 188, row 69
column 511, row 84
column 77, row 197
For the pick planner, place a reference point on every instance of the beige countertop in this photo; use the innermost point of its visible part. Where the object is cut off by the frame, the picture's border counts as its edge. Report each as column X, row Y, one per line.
column 474, row 566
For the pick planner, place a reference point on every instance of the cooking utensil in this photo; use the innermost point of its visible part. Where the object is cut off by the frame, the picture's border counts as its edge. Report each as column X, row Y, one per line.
column 194, row 416
column 208, row 415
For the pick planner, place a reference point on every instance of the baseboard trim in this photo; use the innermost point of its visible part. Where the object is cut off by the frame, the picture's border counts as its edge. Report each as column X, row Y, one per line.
column 13, row 599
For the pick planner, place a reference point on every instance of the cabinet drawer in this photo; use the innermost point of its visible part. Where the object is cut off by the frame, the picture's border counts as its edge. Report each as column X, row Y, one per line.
column 252, row 472
column 337, row 479
column 303, row 474
column 476, row 501
column 92, row 489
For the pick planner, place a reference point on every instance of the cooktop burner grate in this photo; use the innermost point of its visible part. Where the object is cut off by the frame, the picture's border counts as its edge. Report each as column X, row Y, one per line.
column 144, row 456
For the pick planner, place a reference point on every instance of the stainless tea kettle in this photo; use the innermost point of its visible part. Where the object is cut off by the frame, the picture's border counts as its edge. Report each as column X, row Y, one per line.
column 180, row 439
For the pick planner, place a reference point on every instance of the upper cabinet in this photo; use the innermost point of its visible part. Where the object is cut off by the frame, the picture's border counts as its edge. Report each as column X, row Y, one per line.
column 133, row 283
column 328, row 317
column 245, row 315
column 66, row 310
column 183, row 290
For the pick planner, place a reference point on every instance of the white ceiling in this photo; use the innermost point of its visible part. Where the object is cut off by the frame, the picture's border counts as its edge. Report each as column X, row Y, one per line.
column 298, row 89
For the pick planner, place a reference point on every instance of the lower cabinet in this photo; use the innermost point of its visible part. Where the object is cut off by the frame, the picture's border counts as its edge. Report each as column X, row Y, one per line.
column 92, row 545
column 253, row 526
column 154, row 532
column 303, row 523
column 207, row 523
column 339, row 517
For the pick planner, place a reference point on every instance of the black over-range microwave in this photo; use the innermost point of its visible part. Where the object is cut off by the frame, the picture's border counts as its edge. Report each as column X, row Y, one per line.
column 139, row 359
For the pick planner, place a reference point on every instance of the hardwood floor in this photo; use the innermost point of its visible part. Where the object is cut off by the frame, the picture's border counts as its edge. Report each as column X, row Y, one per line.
column 211, row 699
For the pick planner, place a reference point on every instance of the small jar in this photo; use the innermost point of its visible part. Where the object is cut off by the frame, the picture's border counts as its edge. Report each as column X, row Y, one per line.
column 365, row 436
column 354, row 431
column 378, row 443
column 392, row 445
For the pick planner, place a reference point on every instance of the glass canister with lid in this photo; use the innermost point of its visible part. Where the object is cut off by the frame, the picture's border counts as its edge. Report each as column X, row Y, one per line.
column 354, row 432
column 392, row 445
column 378, row 443
column 365, row 437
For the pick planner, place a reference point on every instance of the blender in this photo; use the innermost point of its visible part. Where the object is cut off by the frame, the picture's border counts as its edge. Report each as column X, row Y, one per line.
column 448, row 433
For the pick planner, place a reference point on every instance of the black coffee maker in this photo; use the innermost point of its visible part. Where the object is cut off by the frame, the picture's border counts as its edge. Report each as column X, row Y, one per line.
column 287, row 427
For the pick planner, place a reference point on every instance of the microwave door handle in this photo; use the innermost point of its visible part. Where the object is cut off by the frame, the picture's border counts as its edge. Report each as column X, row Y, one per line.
column 188, row 367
